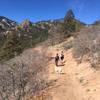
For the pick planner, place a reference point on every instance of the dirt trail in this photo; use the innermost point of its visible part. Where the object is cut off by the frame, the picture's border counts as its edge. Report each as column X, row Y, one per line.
column 79, row 82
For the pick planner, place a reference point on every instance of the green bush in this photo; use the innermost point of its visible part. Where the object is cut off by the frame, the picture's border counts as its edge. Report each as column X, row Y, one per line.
column 69, row 26
column 14, row 43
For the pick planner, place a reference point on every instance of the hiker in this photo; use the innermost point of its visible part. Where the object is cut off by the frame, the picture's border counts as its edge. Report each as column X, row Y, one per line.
column 57, row 69
column 62, row 56
column 56, row 59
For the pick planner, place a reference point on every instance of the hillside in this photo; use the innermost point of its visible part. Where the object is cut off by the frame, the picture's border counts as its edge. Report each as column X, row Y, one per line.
column 81, row 77
column 49, row 85
column 27, row 68
column 15, row 38
column 78, row 81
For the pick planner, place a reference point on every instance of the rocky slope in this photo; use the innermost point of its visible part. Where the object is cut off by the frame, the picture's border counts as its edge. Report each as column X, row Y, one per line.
column 6, row 24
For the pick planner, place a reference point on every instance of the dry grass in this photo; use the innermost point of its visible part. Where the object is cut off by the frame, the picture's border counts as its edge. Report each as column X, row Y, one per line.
column 87, row 45
column 24, row 76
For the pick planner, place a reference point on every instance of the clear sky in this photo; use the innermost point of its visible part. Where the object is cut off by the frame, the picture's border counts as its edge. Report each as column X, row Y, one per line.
column 85, row 10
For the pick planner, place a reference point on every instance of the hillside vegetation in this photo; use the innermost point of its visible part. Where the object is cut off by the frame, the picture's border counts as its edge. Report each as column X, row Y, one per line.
column 20, row 39
column 87, row 45
column 27, row 51
column 15, row 39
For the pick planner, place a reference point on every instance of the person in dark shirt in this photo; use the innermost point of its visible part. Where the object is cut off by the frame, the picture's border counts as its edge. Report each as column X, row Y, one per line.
column 56, row 59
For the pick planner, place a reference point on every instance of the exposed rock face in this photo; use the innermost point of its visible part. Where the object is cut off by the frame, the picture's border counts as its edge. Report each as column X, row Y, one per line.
column 69, row 14
column 6, row 24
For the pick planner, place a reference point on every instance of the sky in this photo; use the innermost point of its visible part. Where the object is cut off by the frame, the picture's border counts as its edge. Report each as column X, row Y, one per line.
column 86, row 11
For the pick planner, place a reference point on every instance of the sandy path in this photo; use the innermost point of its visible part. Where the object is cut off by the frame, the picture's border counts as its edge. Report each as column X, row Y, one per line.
column 79, row 82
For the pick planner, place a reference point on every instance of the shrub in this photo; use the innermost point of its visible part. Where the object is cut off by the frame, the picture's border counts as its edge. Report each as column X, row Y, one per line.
column 23, row 76
column 87, row 43
column 68, row 45
column 16, row 41
column 69, row 26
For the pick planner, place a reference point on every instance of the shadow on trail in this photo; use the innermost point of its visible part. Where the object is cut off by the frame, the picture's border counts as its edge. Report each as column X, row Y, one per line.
column 61, row 65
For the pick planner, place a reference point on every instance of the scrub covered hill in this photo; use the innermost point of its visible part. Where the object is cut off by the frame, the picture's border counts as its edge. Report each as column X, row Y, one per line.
column 14, row 37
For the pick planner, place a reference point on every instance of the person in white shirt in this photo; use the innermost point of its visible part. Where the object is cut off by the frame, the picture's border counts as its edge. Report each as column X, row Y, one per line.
column 62, row 56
